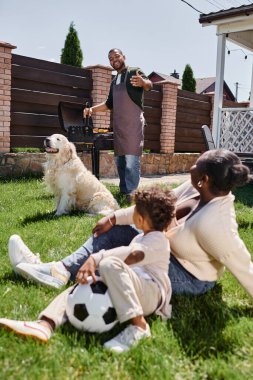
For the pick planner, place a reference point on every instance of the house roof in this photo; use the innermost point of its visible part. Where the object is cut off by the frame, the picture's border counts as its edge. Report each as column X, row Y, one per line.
column 244, row 10
column 235, row 23
column 202, row 84
column 165, row 77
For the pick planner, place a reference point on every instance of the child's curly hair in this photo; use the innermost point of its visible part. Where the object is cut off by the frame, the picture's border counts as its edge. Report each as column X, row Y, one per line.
column 157, row 204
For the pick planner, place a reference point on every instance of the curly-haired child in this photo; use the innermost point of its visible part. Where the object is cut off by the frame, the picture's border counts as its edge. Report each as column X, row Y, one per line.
column 136, row 276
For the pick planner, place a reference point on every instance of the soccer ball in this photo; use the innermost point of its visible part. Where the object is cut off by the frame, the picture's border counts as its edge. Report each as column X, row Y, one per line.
column 89, row 307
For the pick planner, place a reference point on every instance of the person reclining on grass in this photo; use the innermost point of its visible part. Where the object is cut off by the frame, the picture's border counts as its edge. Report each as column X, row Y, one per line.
column 130, row 273
column 203, row 242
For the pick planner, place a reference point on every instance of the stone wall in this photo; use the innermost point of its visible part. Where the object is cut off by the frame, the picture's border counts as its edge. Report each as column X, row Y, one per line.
column 23, row 164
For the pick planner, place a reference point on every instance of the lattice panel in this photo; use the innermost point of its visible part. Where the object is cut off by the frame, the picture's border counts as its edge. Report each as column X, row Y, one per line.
column 237, row 130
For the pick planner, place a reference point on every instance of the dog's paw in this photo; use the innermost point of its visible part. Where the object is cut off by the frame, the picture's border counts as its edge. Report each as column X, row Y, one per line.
column 59, row 213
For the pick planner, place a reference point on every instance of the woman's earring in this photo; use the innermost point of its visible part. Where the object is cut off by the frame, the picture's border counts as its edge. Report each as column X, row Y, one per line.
column 200, row 183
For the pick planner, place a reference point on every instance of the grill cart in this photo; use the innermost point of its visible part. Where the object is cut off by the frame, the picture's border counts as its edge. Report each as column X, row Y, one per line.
column 80, row 131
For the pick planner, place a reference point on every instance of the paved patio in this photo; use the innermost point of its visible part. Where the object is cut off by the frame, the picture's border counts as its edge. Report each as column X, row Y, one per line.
column 169, row 179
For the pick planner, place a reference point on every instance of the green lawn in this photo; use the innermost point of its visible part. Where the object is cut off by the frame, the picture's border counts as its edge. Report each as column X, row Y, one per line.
column 209, row 337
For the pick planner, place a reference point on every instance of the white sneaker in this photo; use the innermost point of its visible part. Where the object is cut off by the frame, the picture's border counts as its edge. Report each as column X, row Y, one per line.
column 52, row 274
column 20, row 253
column 32, row 329
column 127, row 338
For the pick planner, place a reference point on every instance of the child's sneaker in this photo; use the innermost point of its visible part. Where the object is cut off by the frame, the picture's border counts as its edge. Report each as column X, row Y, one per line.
column 31, row 329
column 20, row 253
column 52, row 274
column 127, row 338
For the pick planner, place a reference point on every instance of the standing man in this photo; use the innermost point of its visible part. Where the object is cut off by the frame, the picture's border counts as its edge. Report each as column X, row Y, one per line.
column 125, row 99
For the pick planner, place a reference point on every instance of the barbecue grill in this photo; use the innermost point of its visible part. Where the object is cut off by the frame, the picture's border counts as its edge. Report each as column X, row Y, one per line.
column 80, row 131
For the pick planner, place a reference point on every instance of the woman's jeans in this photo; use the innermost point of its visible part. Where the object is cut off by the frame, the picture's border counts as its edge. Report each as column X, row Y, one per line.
column 182, row 281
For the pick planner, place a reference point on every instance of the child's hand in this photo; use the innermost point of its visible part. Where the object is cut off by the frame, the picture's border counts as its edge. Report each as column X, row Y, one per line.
column 86, row 270
column 103, row 225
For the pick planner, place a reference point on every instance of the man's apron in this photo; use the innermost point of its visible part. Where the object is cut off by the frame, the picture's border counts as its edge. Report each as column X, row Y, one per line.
column 128, row 122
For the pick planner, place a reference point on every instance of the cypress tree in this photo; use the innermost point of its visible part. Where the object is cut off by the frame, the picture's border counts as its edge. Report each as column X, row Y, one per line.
column 72, row 54
column 188, row 80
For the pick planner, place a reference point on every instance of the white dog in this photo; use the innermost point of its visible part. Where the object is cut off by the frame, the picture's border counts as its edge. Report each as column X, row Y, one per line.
column 73, row 186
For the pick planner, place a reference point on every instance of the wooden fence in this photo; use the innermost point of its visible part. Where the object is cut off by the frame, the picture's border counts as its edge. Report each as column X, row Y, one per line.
column 193, row 111
column 37, row 88
column 153, row 114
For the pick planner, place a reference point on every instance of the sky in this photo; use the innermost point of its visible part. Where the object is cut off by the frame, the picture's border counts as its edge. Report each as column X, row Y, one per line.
column 161, row 35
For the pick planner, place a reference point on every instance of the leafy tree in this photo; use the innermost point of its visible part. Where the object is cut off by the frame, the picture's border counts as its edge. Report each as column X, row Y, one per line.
column 188, row 80
column 72, row 54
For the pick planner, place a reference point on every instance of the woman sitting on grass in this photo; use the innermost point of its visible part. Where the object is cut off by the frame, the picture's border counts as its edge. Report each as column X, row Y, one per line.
column 136, row 276
column 203, row 241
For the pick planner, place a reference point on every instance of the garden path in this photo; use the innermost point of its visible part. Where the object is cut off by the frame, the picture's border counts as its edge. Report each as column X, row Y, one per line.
column 150, row 180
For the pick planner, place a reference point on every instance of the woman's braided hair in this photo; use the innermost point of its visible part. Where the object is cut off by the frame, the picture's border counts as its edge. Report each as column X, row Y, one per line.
column 225, row 170
column 156, row 204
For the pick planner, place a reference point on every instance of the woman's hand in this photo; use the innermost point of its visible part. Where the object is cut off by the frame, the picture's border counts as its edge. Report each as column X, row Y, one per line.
column 104, row 225
column 86, row 270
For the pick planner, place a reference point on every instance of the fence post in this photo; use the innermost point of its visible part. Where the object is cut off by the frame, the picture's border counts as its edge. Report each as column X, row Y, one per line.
column 168, row 120
column 102, row 77
column 211, row 96
column 5, row 95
